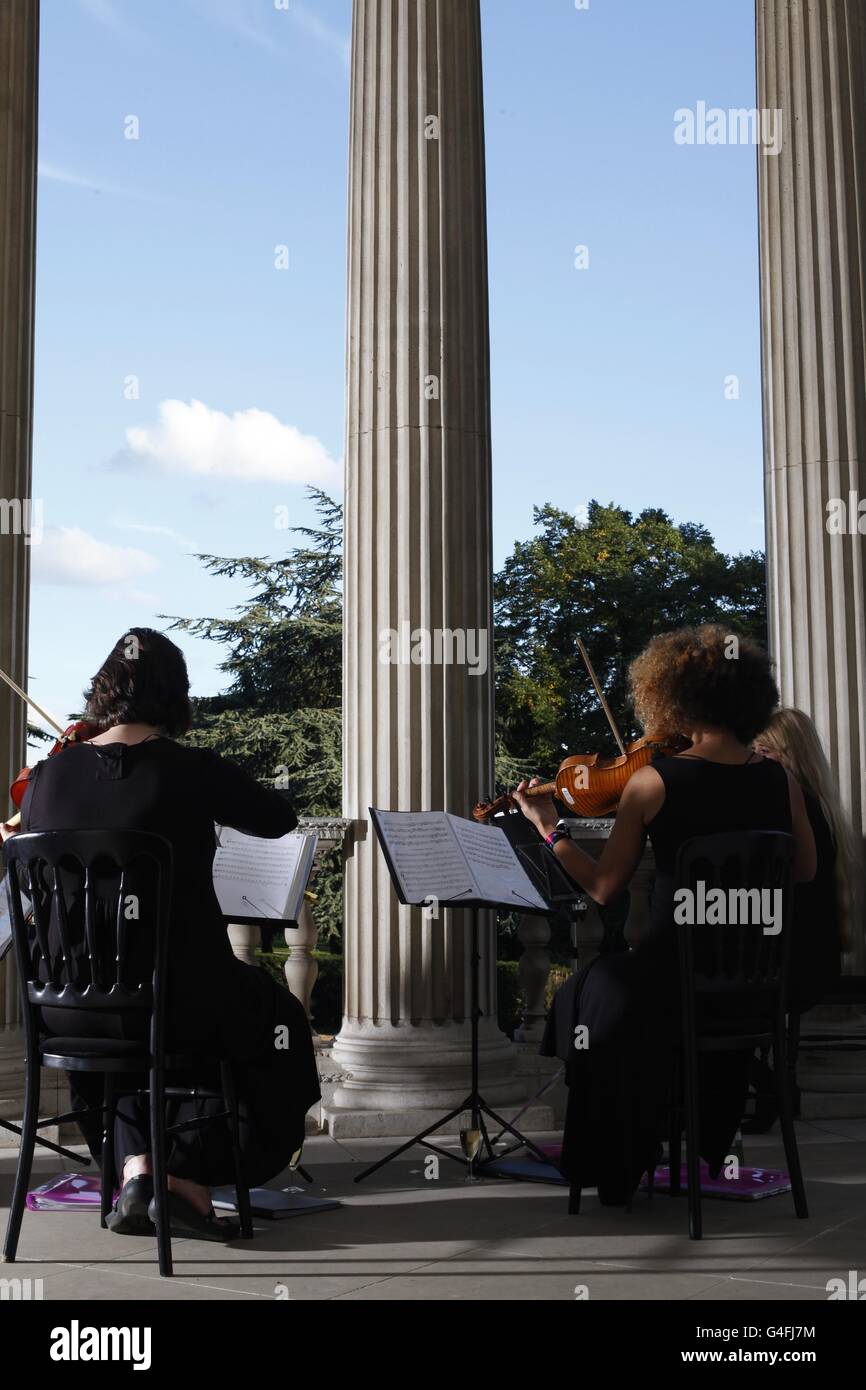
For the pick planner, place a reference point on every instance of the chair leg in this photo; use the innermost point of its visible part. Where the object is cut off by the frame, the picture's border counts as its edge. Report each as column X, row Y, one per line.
column 109, row 1172
column 242, row 1191
column 160, row 1174
column 786, row 1124
column 25, row 1157
column 675, row 1152
column 574, row 1192
column 693, row 1162
column 675, row 1129
column 792, row 1052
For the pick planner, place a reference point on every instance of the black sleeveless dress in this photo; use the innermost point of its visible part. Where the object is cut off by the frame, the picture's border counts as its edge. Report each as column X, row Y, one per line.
column 629, row 1002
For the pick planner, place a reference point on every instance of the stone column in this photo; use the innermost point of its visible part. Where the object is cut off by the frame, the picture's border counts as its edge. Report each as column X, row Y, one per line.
column 811, row 61
column 417, row 732
column 19, row 53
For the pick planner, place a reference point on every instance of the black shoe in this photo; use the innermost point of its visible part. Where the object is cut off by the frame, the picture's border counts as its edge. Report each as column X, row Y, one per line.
column 129, row 1217
column 185, row 1221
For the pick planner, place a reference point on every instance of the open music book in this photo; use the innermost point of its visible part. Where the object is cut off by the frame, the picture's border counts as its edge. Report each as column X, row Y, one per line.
column 432, row 854
column 262, row 880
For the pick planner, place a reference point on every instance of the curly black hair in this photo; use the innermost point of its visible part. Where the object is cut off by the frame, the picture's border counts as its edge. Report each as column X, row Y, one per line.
column 703, row 677
column 143, row 680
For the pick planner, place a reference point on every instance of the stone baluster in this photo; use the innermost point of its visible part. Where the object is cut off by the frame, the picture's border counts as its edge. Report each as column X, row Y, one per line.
column 301, row 968
column 533, row 971
column 245, row 938
column 590, row 836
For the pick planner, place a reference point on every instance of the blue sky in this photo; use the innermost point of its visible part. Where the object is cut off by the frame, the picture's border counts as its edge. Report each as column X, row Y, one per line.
column 186, row 386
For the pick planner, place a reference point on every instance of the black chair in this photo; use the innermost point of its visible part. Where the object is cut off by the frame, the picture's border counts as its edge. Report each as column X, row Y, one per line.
column 733, row 982
column 94, row 937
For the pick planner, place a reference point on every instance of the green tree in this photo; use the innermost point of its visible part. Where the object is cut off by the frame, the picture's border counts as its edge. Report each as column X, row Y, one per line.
column 615, row 580
column 280, row 716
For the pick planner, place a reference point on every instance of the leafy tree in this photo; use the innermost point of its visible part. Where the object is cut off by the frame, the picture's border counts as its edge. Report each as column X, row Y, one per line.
column 280, row 716
column 614, row 580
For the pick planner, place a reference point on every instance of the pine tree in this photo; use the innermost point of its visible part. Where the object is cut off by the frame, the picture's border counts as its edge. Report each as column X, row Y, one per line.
column 280, row 716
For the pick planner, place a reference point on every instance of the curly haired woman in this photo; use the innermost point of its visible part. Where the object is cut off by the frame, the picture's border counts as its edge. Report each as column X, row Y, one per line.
column 719, row 694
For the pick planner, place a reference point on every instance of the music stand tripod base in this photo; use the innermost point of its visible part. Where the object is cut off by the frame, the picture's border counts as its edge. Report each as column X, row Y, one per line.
column 474, row 1102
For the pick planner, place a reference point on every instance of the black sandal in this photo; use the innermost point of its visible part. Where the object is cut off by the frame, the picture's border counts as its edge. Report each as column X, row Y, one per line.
column 130, row 1215
column 185, row 1221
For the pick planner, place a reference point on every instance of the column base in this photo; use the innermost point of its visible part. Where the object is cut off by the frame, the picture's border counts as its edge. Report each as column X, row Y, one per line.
column 832, row 1077
column 11, row 1077
column 390, row 1070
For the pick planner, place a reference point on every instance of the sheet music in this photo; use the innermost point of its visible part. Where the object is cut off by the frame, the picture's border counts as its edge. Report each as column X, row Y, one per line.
column 425, row 855
column 262, row 878
column 499, row 875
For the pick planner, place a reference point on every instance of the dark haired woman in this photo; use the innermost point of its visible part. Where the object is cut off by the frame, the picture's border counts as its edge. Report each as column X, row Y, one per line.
column 134, row 776
column 719, row 693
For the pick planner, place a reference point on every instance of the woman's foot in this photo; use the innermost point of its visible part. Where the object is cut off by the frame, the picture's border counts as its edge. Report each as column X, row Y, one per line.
column 130, row 1215
column 190, row 1205
column 195, row 1193
column 186, row 1220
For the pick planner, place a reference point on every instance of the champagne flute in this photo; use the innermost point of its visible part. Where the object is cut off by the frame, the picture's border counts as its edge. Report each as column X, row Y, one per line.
column 470, row 1141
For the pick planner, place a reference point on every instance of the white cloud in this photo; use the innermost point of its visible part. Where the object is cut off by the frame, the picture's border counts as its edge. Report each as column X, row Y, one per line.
column 106, row 13
column 241, row 19
column 334, row 39
column 68, row 555
column 56, row 174
column 165, row 531
column 251, row 444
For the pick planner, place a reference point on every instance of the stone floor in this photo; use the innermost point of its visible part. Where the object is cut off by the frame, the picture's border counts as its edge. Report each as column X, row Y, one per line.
column 400, row 1236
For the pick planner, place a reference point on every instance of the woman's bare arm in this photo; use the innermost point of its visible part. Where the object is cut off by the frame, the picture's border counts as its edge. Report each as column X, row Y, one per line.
column 604, row 879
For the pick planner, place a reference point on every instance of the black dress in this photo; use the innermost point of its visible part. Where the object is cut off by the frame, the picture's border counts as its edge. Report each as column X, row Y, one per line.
column 214, row 1001
column 629, row 1002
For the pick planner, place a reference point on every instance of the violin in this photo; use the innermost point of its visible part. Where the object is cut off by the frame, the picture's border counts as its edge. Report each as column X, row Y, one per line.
column 588, row 784
column 79, row 732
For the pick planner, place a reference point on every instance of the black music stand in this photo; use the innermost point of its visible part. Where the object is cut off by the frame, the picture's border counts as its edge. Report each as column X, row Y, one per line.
column 474, row 1102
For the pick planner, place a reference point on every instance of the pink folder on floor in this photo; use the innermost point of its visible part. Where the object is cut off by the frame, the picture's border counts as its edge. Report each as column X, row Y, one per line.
column 68, row 1192
column 749, row 1186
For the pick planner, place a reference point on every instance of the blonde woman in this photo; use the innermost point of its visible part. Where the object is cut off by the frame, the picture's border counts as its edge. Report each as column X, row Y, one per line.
column 825, row 908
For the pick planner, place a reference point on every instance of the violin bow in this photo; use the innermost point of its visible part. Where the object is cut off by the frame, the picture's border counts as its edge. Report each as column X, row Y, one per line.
column 32, row 703
column 600, row 693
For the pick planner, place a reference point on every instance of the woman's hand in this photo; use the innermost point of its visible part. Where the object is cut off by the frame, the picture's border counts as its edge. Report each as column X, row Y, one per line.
column 540, row 810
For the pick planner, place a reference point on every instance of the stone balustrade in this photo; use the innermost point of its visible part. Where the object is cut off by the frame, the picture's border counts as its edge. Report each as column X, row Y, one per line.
column 621, row 923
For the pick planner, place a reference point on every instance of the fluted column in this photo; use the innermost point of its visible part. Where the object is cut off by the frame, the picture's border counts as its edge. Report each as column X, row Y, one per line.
column 418, row 733
column 19, row 45
column 812, row 67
